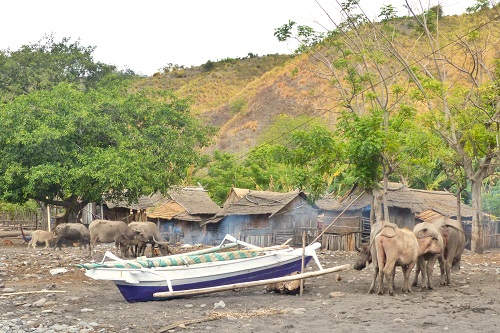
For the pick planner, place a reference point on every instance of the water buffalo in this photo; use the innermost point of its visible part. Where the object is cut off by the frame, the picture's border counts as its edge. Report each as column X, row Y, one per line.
column 368, row 251
column 40, row 237
column 105, row 231
column 150, row 234
column 426, row 261
column 73, row 232
column 399, row 247
column 454, row 245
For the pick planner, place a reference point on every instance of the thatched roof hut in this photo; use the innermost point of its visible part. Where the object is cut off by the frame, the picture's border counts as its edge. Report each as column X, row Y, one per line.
column 187, row 204
column 439, row 204
column 398, row 196
column 128, row 212
column 249, row 202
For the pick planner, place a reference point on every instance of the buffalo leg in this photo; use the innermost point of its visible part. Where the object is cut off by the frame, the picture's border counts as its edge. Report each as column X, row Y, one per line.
column 430, row 269
column 374, row 278
column 417, row 272
column 389, row 273
column 406, row 273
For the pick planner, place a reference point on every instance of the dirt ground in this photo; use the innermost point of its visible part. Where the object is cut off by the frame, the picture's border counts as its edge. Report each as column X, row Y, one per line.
column 336, row 302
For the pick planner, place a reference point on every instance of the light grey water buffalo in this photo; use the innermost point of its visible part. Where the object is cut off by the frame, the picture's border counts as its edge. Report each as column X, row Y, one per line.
column 426, row 261
column 104, row 231
column 150, row 234
column 454, row 245
column 40, row 237
column 72, row 232
column 399, row 247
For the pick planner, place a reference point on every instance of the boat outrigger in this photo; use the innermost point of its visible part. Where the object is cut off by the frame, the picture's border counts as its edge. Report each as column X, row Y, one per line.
column 162, row 278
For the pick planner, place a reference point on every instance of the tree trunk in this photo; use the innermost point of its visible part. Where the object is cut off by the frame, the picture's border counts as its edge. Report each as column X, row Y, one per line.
column 477, row 245
column 43, row 208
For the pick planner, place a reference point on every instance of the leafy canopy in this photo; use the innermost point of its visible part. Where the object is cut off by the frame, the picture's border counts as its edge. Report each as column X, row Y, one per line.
column 70, row 144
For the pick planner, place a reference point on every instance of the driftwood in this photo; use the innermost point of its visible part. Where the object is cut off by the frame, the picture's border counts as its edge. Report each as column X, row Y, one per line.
column 249, row 284
column 10, row 233
column 33, row 292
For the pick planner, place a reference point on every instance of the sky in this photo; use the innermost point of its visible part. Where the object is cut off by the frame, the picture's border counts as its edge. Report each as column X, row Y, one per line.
column 147, row 35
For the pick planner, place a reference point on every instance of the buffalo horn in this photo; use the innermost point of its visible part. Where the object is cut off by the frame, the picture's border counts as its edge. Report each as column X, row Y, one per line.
column 158, row 242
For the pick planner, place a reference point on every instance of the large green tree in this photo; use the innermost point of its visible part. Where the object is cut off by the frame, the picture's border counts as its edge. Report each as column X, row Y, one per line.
column 70, row 147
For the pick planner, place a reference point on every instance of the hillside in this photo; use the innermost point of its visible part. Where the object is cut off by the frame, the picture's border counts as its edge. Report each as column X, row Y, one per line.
column 243, row 97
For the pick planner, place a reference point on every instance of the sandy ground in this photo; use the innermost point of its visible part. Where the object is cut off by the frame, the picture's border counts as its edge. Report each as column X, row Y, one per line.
column 336, row 302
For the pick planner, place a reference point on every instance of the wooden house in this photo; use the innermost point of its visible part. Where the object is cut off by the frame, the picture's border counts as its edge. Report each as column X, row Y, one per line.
column 264, row 218
column 181, row 215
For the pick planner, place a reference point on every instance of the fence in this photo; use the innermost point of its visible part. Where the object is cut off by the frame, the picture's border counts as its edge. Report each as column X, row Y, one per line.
column 12, row 221
column 341, row 242
column 491, row 241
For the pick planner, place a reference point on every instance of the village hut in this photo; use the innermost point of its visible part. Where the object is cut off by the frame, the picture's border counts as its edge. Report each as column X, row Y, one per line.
column 444, row 204
column 181, row 215
column 352, row 215
column 264, row 218
column 128, row 212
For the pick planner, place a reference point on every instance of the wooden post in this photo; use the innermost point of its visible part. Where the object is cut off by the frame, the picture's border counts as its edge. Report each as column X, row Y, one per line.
column 303, row 260
column 48, row 217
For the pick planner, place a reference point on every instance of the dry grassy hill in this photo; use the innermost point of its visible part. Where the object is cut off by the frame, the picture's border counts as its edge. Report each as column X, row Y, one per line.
column 243, row 97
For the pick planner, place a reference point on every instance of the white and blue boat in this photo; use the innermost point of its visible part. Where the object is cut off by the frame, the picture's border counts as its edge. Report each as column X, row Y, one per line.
column 140, row 279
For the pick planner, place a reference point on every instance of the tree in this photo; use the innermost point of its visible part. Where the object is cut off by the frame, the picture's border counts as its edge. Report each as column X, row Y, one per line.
column 44, row 64
column 367, row 89
column 459, row 86
column 308, row 161
column 69, row 147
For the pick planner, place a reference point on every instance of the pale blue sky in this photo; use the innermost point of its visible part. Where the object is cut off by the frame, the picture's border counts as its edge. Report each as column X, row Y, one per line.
column 148, row 34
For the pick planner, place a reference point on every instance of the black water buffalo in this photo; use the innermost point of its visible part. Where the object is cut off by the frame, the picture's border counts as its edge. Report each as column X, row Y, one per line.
column 72, row 232
column 454, row 245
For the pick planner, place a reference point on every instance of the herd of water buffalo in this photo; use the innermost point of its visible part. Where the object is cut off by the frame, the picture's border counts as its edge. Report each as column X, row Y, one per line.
column 391, row 246
column 128, row 238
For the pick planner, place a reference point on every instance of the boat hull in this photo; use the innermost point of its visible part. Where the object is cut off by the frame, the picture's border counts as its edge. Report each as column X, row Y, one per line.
column 139, row 284
column 144, row 292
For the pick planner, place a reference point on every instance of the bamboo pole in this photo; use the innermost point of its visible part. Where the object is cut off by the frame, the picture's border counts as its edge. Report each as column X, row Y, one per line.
column 249, row 284
column 33, row 292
